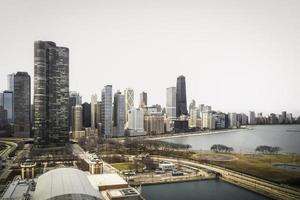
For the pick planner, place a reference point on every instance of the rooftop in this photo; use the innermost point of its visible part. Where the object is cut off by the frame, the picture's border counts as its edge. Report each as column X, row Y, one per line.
column 65, row 182
column 107, row 181
column 17, row 189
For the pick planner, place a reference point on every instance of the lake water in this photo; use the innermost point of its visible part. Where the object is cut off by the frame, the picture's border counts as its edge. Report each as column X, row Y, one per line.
column 285, row 136
column 199, row 190
column 288, row 167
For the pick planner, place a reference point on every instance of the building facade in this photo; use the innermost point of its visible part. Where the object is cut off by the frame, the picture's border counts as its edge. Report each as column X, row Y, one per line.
column 93, row 110
column 192, row 105
column 51, row 93
column 154, row 124
column 171, row 103
column 98, row 107
column 8, row 105
column 74, row 99
column 22, row 104
column 77, row 118
column 1, row 99
column 143, row 99
column 232, row 120
column 106, row 111
column 136, row 120
column 119, row 115
column 181, row 106
column 10, row 82
column 86, row 115
column 129, row 101
column 252, row 118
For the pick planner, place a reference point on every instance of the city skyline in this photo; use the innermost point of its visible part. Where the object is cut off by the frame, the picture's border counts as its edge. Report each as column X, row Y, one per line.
column 246, row 72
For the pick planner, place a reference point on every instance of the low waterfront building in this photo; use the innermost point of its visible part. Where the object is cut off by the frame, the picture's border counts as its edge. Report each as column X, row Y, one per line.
column 166, row 166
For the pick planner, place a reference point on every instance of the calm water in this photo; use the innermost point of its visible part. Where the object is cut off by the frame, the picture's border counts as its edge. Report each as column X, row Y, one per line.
column 285, row 136
column 198, row 190
column 288, row 167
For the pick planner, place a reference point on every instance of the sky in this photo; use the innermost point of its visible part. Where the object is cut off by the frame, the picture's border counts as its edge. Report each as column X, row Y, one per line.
column 236, row 55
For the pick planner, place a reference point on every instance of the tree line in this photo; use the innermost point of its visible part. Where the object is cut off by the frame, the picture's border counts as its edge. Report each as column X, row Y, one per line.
column 267, row 149
column 221, row 148
column 261, row 149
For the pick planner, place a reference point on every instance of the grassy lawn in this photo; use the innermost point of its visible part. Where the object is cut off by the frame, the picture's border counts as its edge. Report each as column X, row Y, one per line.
column 123, row 166
column 261, row 166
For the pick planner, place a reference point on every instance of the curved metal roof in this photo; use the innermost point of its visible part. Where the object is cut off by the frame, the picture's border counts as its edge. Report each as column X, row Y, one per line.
column 65, row 182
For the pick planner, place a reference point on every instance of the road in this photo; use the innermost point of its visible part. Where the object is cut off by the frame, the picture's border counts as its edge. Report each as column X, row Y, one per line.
column 11, row 146
column 261, row 186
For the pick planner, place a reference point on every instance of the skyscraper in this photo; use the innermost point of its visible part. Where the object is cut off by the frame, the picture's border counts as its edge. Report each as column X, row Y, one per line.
column 77, row 118
column 51, row 93
column 93, row 110
column 1, row 99
column 136, row 122
column 76, row 96
column 232, row 119
column 86, row 115
column 251, row 117
column 181, row 107
column 143, row 99
column 22, row 105
column 10, row 82
column 106, row 111
column 171, row 103
column 74, row 99
column 129, row 101
column 98, row 113
column 283, row 115
column 192, row 106
column 208, row 121
column 119, row 114
column 8, row 105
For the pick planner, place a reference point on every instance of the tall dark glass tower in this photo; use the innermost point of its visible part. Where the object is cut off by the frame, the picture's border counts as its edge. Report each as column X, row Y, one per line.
column 119, row 114
column 51, row 93
column 181, row 108
column 22, row 105
column 86, row 115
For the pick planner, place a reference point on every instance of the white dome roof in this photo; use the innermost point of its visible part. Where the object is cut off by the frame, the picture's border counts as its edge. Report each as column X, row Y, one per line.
column 65, row 183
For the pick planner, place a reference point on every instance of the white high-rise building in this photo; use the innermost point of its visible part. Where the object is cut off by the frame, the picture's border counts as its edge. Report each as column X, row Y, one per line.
column 208, row 121
column 193, row 117
column 251, row 117
column 136, row 120
column 171, row 103
column 93, row 110
column 106, row 111
column 129, row 102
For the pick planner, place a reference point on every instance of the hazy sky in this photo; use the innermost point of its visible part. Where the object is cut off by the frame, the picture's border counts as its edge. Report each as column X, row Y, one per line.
column 237, row 55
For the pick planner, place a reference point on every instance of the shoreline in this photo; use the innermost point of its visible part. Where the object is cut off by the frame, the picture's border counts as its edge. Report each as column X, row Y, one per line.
column 197, row 133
